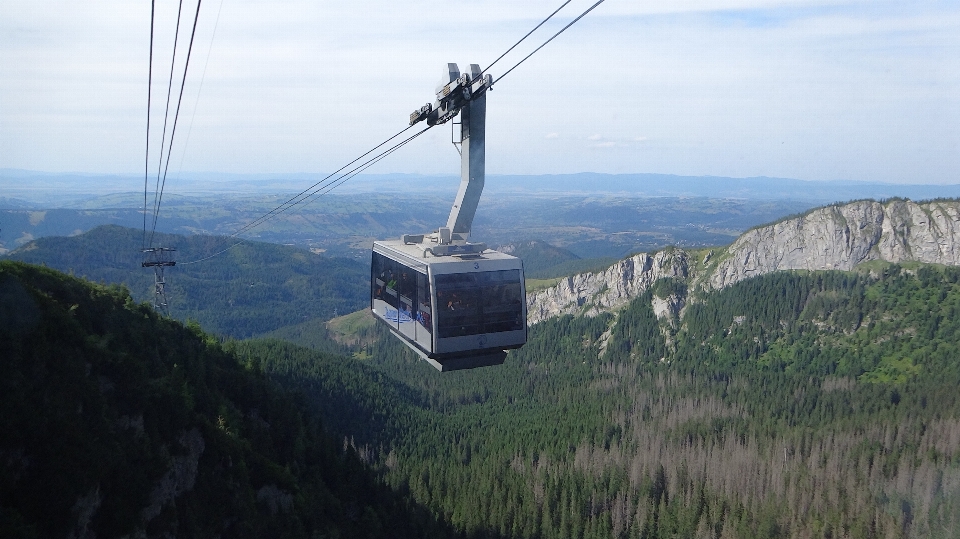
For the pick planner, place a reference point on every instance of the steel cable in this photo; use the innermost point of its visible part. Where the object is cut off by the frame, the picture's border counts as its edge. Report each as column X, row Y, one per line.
column 319, row 188
column 582, row 15
column 203, row 76
column 319, row 191
column 146, row 160
column 525, row 37
column 293, row 200
column 166, row 116
column 176, row 116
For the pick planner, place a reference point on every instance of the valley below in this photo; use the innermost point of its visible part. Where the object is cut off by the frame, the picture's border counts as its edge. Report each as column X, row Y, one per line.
column 695, row 367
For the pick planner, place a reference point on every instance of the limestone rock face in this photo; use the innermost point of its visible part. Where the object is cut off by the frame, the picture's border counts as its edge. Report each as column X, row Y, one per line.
column 669, row 307
column 835, row 237
column 841, row 237
column 593, row 293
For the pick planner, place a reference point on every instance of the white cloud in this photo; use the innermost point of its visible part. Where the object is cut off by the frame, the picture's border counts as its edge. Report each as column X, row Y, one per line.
column 309, row 85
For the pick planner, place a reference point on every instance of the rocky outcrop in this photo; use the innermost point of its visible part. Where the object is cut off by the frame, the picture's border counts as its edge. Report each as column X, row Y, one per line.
column 179, row 478
column 838, row 237
column 842, row 237
column 669, row 307
column 593, row 293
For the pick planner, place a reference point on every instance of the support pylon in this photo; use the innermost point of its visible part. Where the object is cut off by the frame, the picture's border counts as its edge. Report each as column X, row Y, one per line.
column 159, row 258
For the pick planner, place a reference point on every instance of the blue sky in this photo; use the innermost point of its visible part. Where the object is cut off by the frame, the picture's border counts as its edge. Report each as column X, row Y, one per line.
column 864, row 91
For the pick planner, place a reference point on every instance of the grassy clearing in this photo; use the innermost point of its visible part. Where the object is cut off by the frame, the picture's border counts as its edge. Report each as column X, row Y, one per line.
column 536, row 285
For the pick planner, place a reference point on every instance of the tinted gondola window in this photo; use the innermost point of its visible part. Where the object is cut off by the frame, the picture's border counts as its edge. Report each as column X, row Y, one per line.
column 424, row 309
column 407, row 287
column 502, row 300
column 384, row 279
column 458, row 309
column 477, row 303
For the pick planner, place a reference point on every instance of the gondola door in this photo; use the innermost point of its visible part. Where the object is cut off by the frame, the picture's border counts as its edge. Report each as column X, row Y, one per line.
column 400, row 297
column 407, row 306
column 424, row 314
column 384, row 299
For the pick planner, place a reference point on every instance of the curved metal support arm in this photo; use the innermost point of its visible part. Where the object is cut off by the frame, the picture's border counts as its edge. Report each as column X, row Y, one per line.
column 473, row 120
column 466, row 95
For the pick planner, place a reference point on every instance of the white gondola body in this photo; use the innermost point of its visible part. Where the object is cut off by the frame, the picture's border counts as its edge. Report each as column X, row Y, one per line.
column 454, row 312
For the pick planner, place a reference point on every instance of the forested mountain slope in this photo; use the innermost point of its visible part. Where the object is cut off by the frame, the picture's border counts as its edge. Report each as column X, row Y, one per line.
column 792, row 405
column 250, row 289
column 795, row 404
column 798, row 403
column 115, row 422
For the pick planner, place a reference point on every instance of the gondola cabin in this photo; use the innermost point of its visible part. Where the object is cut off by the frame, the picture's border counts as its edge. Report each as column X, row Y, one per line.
column 457, row 304
column 456, row 312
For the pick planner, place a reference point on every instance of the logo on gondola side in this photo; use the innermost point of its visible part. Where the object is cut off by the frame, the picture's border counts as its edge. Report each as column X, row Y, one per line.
column 482, row 341
column 393, row 315
column 476, row 265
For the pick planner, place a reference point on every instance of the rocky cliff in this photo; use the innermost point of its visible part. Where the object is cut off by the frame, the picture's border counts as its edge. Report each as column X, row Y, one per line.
column 844, row 236
column 837, row 237
column 593, row 293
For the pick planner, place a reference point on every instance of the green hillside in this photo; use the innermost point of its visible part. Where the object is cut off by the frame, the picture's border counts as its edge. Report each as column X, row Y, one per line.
column 253, row 289
column 114, row 422
column 538, row 255
column 796, row 404
column 250, row 289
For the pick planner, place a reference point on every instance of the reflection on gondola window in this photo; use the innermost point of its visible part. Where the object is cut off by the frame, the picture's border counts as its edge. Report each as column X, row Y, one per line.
column 384, row 279
column 477, row 303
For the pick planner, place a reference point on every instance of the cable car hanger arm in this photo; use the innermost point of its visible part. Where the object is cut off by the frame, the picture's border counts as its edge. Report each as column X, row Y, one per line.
column 463, row 94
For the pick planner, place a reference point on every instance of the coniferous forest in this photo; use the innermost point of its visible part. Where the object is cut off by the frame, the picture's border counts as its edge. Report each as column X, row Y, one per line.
column 251, row 289
column 116, row 422
column 818, row 404
column 796, row 404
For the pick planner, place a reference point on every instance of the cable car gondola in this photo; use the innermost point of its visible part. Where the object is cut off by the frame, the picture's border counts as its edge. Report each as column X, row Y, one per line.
column 458, row 304
column 455, row 312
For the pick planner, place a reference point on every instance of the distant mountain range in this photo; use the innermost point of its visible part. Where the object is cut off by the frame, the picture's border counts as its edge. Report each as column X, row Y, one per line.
column 23, row 186
column 254, row 288
column 590, row 226
column 759, row 188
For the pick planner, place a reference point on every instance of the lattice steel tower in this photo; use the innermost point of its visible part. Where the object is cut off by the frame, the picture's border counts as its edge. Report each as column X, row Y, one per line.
column 159, row 258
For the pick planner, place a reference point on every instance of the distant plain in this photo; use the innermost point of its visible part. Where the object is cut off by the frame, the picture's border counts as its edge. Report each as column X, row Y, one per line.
column 591, row 215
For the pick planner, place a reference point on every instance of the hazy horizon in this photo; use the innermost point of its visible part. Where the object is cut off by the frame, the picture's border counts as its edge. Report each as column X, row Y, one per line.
column 61, row 189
